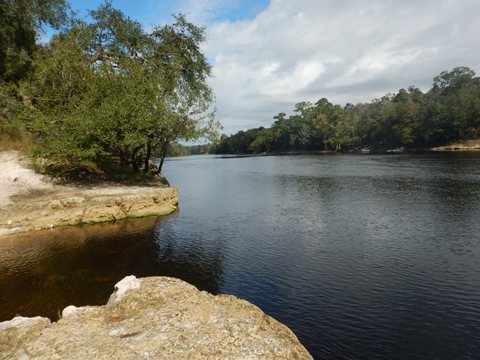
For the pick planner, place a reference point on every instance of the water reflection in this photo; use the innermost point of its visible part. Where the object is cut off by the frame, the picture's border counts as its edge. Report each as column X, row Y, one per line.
column 195, row 258
column 43, row 272
column 363, row 257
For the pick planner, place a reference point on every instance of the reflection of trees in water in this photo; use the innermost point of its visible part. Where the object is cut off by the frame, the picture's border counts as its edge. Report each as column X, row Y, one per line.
column 42, row 273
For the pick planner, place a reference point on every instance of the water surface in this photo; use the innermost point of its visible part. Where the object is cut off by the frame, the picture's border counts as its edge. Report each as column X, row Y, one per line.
column 362, row 256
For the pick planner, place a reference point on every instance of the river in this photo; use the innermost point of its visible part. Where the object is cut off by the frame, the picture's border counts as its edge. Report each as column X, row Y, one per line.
column 362, row 256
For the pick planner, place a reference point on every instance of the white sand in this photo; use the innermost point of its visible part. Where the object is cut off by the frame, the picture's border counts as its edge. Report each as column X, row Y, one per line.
column 16, row 179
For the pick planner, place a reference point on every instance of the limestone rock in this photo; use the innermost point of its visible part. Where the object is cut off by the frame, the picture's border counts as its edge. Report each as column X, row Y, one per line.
column 156, row 318
column 86, row 206
column 19, row 331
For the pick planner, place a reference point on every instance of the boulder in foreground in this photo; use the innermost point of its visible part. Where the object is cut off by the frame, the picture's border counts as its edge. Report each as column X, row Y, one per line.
column 154, row 318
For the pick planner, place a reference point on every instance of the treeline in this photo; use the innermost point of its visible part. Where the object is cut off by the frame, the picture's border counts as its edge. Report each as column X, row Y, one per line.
column 175, row 149
column 448, row 112
column 102, row 90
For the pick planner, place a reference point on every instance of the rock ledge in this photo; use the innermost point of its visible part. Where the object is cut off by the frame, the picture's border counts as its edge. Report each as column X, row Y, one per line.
column 86, row 206
column 30, row 201
column 154, row 318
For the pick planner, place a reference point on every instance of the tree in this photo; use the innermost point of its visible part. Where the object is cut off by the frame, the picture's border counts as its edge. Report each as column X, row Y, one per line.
column 21, row 22
column 459, row 77
column 108, row 91
column 450, row 111
column 321, row 118
column 407, row 104
column 262, row 143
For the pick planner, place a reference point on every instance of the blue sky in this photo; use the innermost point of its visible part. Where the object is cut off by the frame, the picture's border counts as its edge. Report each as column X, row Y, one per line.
column 269, row 55
column 151, row 12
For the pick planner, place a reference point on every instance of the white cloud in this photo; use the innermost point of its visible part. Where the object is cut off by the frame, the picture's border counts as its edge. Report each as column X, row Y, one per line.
column 345, row 50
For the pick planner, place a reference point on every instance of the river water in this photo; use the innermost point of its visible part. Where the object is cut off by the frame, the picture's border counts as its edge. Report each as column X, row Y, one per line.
column 362, row 256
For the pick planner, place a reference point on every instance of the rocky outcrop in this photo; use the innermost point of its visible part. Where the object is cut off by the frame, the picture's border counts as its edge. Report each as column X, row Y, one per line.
column 86, row 206
column 31, row 201
column 153, row 318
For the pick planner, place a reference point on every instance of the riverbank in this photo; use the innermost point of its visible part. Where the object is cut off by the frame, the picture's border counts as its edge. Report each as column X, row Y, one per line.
column 30, row 201
column 469, row 145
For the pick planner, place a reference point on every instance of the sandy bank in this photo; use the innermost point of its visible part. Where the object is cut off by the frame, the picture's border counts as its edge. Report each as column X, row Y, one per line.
column 29, row 201
column 17, row 179
column 469, row 145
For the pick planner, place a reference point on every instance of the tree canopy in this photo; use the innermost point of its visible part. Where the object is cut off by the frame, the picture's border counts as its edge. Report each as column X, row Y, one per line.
column 21, row 22
column 449, row 111
column 108, row 91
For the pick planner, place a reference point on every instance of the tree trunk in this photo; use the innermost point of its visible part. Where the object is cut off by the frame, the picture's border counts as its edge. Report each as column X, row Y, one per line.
column 134, row 161
column 147, row 158
column 123, row 160
column 162, row 157
column 135, row 165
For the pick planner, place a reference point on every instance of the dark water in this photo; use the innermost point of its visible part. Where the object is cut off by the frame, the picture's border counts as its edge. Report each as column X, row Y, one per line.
column 362, row 256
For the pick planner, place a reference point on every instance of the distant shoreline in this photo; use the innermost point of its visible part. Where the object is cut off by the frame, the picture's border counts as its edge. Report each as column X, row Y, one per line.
column 467, row 146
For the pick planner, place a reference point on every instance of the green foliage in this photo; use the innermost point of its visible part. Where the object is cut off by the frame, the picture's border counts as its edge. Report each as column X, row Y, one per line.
column 21, row 21
column 175, row 149
column 107, row 91
column 9, row 104
column 238, row 143
column 449, row 112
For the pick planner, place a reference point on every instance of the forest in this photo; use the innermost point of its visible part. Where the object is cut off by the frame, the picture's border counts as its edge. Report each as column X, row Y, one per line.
column 408, row 119
column 102, row 90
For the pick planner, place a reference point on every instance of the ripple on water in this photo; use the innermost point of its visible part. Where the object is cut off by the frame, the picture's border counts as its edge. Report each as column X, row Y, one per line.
column 363, row 257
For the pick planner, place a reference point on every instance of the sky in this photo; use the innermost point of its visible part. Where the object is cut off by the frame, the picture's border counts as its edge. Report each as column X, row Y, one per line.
column 269, row 55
